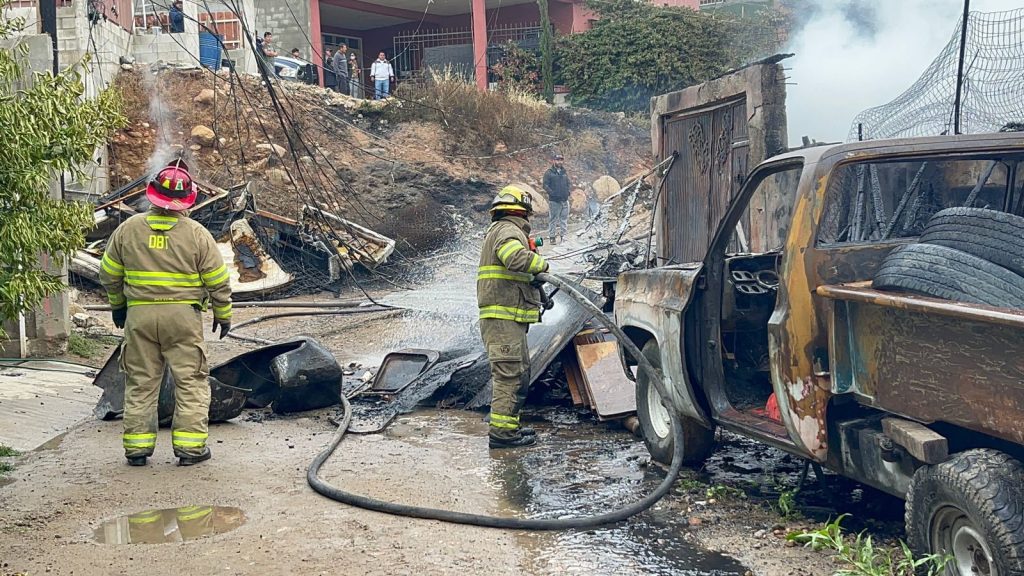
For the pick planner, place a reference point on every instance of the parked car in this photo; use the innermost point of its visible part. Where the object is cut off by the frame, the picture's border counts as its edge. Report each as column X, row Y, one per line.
column 289, row 68
column 883, row 337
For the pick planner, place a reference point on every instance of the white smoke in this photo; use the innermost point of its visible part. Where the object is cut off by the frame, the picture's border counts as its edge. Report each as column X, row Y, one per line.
column 855, row 54
column 162, row 120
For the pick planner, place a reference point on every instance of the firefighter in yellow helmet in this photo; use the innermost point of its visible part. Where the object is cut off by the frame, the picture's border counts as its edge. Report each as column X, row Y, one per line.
column 509, row 302
column 159, row 269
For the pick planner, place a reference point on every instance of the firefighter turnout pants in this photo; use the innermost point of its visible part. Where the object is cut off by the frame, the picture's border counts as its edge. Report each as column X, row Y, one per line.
column 155, row 335
column 509, row 355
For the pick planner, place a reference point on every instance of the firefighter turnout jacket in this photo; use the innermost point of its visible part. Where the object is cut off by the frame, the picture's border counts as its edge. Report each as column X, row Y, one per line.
column 163, row 257
column 503, row 287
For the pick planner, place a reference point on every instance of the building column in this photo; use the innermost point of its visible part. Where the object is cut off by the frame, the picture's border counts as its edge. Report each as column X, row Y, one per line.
column 316, row 39
column 480, row 43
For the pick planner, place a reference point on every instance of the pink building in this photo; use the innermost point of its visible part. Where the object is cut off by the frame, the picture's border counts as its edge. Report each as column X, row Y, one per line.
column 418, row 34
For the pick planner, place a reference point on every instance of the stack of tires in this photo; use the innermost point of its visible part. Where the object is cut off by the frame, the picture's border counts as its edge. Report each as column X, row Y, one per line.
column 970, row 255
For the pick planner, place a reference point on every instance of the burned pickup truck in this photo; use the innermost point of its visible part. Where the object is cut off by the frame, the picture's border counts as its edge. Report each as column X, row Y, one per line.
column 882, row 336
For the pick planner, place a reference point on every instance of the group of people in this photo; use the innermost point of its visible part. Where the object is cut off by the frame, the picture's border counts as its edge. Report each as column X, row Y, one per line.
column 343, row 73
column 341, row 69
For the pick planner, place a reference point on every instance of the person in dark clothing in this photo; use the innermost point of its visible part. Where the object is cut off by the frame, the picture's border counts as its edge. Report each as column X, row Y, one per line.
column 176, row 17
column 340, row 65
column 330, row 80
column 557, row 186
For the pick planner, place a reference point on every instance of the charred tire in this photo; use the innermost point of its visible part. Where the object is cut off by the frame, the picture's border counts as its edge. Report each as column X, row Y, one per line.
column 988, row 234
column 941, row 272
column 656, row 426
column 972, row 507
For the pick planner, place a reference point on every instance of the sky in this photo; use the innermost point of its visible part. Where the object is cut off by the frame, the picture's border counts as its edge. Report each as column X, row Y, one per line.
column 855, row 54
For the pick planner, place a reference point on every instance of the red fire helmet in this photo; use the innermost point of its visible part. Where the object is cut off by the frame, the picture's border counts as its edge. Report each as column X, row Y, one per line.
column 172, row 188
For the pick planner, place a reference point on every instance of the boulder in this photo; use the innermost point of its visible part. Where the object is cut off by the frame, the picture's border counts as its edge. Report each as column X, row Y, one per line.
column 80, row 319
column 280, row 151
column 278, row 177
column 205, row 97
column 605, row 186
column 203, row 135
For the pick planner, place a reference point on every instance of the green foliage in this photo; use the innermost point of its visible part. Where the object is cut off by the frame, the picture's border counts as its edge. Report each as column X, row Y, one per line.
column 723, row 492
column 637, row 50
column 49, row 129
column 787, row 504
column 547, row 52
column 518, row 69
column 8, row 452
column 861, row 557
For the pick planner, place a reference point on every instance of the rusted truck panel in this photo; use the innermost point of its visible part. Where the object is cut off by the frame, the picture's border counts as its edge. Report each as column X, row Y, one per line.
column 653, row 302
column 930, row 360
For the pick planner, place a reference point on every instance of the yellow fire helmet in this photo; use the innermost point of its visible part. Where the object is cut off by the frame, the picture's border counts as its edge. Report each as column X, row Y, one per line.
column 513, row 197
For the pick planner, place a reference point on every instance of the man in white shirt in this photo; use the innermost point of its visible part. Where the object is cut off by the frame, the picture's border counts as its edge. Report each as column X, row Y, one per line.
column 383, row 74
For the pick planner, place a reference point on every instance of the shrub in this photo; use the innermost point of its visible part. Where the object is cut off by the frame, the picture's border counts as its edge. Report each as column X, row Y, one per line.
column 475, row 121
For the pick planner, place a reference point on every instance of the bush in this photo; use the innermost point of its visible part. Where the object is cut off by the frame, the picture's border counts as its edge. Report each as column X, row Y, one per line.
column 518, row 70
column 475, row 121
column 637, row 50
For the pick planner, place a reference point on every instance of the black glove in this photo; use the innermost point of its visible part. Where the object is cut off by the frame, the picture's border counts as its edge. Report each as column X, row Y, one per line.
column 225, row 327
column 119, row 315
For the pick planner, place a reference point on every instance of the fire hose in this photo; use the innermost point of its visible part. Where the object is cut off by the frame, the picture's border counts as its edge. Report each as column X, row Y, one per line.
column 365, row 502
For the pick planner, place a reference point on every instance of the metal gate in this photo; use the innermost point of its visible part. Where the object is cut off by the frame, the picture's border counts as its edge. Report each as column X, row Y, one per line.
column 712, row 146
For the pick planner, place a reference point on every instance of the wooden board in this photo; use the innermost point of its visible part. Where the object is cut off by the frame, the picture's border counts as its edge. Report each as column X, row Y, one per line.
column 613, row 395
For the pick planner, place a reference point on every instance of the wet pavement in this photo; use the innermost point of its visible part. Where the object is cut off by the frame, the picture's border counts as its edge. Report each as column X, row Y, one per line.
column 169, row 525
column 580, row 467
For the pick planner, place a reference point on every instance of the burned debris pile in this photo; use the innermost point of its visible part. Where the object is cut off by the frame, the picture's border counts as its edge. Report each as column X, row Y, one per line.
column 266, row 253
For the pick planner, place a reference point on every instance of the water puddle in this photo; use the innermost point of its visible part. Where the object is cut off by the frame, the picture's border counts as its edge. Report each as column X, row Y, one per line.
column 583, row 468
column 169, row 525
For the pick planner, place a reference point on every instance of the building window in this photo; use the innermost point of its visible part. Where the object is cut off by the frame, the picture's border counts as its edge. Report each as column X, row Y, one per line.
column 333, row 40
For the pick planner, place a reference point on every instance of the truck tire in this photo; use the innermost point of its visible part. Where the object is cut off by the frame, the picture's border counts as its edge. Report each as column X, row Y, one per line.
column 941, row 272
column 988, row 234
column 971, row 506
column 698, row 441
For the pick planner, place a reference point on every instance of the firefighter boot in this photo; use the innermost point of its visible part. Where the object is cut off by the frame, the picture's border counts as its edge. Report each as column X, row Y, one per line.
column 512, row 442
column 193, row 460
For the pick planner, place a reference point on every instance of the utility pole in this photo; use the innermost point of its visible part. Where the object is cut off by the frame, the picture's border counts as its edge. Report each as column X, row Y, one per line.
column 48, row 19
column 958, row 102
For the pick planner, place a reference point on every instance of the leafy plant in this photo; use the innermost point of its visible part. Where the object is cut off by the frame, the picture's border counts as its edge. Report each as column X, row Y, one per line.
column 723, row 492
column 8, row 452
column 637, row 50
column 547, row 52
column 861, row 557
column 518, row 70
column 787, row 504
column 50, row 129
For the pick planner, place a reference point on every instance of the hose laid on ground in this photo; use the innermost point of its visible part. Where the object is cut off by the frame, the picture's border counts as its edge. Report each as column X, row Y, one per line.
column 337, row 494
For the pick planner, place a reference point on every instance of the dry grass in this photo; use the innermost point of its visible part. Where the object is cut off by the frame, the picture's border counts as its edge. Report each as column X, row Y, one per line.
column 477, row 122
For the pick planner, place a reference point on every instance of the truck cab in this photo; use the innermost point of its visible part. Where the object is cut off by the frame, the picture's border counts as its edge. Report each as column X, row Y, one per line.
column 920, row 397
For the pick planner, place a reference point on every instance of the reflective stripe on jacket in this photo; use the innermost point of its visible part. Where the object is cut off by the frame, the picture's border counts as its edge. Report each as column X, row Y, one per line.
column 165, row 258
column 507, row 266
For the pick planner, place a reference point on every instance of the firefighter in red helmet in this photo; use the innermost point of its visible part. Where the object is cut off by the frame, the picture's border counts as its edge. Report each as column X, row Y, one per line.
column 160, row 269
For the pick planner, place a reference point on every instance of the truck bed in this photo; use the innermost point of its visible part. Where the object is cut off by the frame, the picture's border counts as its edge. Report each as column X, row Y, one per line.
column 928, row 359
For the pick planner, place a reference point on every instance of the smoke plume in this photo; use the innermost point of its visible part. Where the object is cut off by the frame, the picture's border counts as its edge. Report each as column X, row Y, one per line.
column 162, row 120
column 855, row 54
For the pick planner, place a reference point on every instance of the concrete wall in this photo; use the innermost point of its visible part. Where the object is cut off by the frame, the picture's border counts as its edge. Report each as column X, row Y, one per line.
column 180, row 48
column 279, row 17
column 47, row 327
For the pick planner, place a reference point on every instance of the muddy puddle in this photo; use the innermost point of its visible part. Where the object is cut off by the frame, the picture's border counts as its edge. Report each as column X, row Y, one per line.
column 169, row 525
column 580, row 467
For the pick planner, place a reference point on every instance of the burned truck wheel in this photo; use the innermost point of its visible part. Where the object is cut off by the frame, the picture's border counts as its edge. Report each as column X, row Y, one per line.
column 656, row 424
column 972, row 508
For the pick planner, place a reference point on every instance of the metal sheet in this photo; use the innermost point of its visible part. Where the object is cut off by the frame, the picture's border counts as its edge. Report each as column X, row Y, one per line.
column 401, row 368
